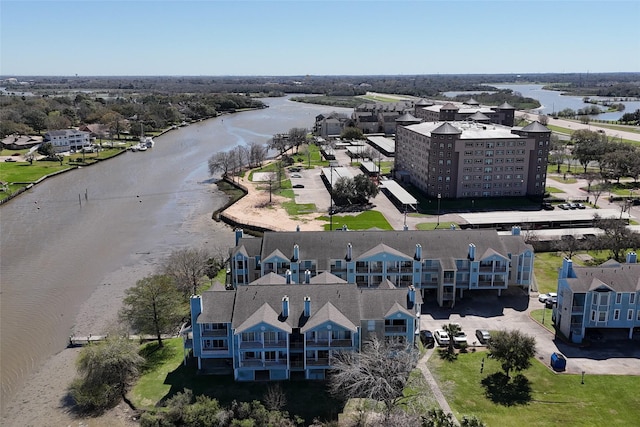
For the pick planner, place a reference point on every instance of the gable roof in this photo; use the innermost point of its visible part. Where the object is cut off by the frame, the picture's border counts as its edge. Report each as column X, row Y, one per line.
column 326, row 278
column 383, row 249
column 328, row 313
column 217, row 307
column 617, row 277
column 447, row 129
column 265, row 314
column 270, row 278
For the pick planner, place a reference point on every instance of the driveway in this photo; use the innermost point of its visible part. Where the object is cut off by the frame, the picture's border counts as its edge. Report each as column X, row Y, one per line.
column 485, row 310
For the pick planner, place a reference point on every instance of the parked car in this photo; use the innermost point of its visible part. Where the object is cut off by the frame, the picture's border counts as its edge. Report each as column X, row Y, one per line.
column 483, row 335
column 426, row 337
column 550, row 302
column 9, row 159
column 298, row 186
column 294, row 169
column 564, row 206
column 544, row 297
column 580, row 206
column 547, row 206
column 460, row 338
column 296, row 175
column 441, row 337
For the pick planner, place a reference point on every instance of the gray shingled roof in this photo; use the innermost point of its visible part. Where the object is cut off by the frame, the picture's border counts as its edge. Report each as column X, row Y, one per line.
column 323, row 246
column 270, row 278
column 326, row 278
column 217, row 307
column 383, row 249
column 328, row 313
column 265, row 314
column 408, row 118
column 471, row 101
column 535, row 127
column 448, row 106
column 619, row 277
column 423, row 102
column 506, row 106
column 479, row 117
column 447, row 129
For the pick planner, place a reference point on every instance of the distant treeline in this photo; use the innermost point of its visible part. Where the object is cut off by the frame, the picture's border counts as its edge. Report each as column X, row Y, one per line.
column 610, row 84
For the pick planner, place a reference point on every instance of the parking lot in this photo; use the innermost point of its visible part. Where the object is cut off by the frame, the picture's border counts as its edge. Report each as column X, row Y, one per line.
column 485, row 310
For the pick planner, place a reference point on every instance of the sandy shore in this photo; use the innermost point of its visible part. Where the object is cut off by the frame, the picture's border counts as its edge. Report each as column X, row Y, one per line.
column 42, row 401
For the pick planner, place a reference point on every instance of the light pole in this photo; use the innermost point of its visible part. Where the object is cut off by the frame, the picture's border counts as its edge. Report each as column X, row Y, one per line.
column 439, row 197
column 331, row 198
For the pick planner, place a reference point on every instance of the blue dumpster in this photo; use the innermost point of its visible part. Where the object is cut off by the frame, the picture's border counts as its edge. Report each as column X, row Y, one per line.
column 558, row 362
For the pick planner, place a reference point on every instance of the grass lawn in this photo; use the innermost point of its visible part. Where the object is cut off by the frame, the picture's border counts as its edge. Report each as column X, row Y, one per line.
column 544, row 314
column 553, row 190
column 546, row 267
column 556, row 399
column 24, row 172
column 568, row 180
column 166, row 375
column 362, row 221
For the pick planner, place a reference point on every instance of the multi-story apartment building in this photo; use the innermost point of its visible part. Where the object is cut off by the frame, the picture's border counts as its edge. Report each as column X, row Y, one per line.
column 472, row 159
column 605, row 298
column 269, row 330
column 67, row 139
column 471, row 109
column 440, row 264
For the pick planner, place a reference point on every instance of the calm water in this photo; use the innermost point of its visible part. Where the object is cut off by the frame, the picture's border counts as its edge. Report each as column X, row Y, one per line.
column 552, row 100
column 55, row 253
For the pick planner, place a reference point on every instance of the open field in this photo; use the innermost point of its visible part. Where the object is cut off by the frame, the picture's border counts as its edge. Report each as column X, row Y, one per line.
column 554, row 399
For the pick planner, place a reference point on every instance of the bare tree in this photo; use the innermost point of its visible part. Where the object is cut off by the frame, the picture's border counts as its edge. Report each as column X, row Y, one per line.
column 187, row 267
column 543, row 119
column 220, row 162
column 275, row 398
column 379, row 372
column 297, row 137
column 279, row 142
column 601, row 186
column 569, row 245
column 257, row 154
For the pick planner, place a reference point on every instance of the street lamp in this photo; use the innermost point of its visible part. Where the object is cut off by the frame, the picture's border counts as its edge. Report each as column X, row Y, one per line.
column 439, row 197
column 331, row 198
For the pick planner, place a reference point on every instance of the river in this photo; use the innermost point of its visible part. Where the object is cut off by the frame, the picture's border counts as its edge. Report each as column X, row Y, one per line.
column 553, row 101
column 72, row 244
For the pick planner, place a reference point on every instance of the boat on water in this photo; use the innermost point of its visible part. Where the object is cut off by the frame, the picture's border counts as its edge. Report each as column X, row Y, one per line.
column 147, row 141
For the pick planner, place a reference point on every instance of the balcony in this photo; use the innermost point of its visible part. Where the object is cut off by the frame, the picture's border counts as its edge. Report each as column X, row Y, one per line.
column 215, row 333
column 276, row 344
column 395, row 329
column 222, row 351
column 319, row 362
column 577, row 309
column 329, row 343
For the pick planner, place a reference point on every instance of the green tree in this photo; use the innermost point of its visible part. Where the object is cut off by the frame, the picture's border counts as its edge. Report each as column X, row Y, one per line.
column 106, row 372
column 351, row 133
column 46, row 149
column 590, row 146
column 438, row 418
column 297, row 137
column 616, row 236
column 152, row 306
column 452, row 330
column 365, row 188
column 513, row 349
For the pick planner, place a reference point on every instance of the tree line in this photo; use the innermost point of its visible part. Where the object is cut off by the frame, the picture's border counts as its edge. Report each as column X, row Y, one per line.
column 129, row 114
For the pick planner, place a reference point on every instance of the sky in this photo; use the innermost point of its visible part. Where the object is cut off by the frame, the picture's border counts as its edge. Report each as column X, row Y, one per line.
column 294, row 38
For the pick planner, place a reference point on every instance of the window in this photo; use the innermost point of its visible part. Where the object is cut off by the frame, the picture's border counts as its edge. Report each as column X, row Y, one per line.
column 616, row 314
column 602, row 316
column 630, row 315
column 632, row 298
column 371, row 325
column 618, row 298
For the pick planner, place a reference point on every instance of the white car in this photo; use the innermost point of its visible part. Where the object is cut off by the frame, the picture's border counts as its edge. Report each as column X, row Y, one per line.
column 545, row 297
column 460, row 338
column 441, row 336
column 296, row 175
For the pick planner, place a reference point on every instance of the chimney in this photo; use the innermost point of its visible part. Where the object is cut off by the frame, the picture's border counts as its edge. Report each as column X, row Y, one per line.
column 632, row 258
column 472, row 251
column 411, row 294
column 238, row 235
column 566, row 271
column 285, row 306
column 418, row 251
column 307, row 277
column 349, row 251
column 515, row 230
column 287, row 276
column 296, row 252
column 307, row 306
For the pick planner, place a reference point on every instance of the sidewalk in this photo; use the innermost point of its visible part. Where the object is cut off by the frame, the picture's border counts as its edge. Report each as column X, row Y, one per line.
column 433, row 384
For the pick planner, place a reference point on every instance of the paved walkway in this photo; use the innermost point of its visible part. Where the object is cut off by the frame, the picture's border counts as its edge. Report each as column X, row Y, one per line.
column 433, row 384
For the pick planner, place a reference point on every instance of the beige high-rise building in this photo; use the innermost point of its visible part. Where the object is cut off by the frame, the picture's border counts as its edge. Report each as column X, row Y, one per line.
column 468, row 159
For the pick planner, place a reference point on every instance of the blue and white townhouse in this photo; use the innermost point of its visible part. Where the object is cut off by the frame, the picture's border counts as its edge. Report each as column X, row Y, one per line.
column 441, row 264
column 273, row 330
column 602, row 299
